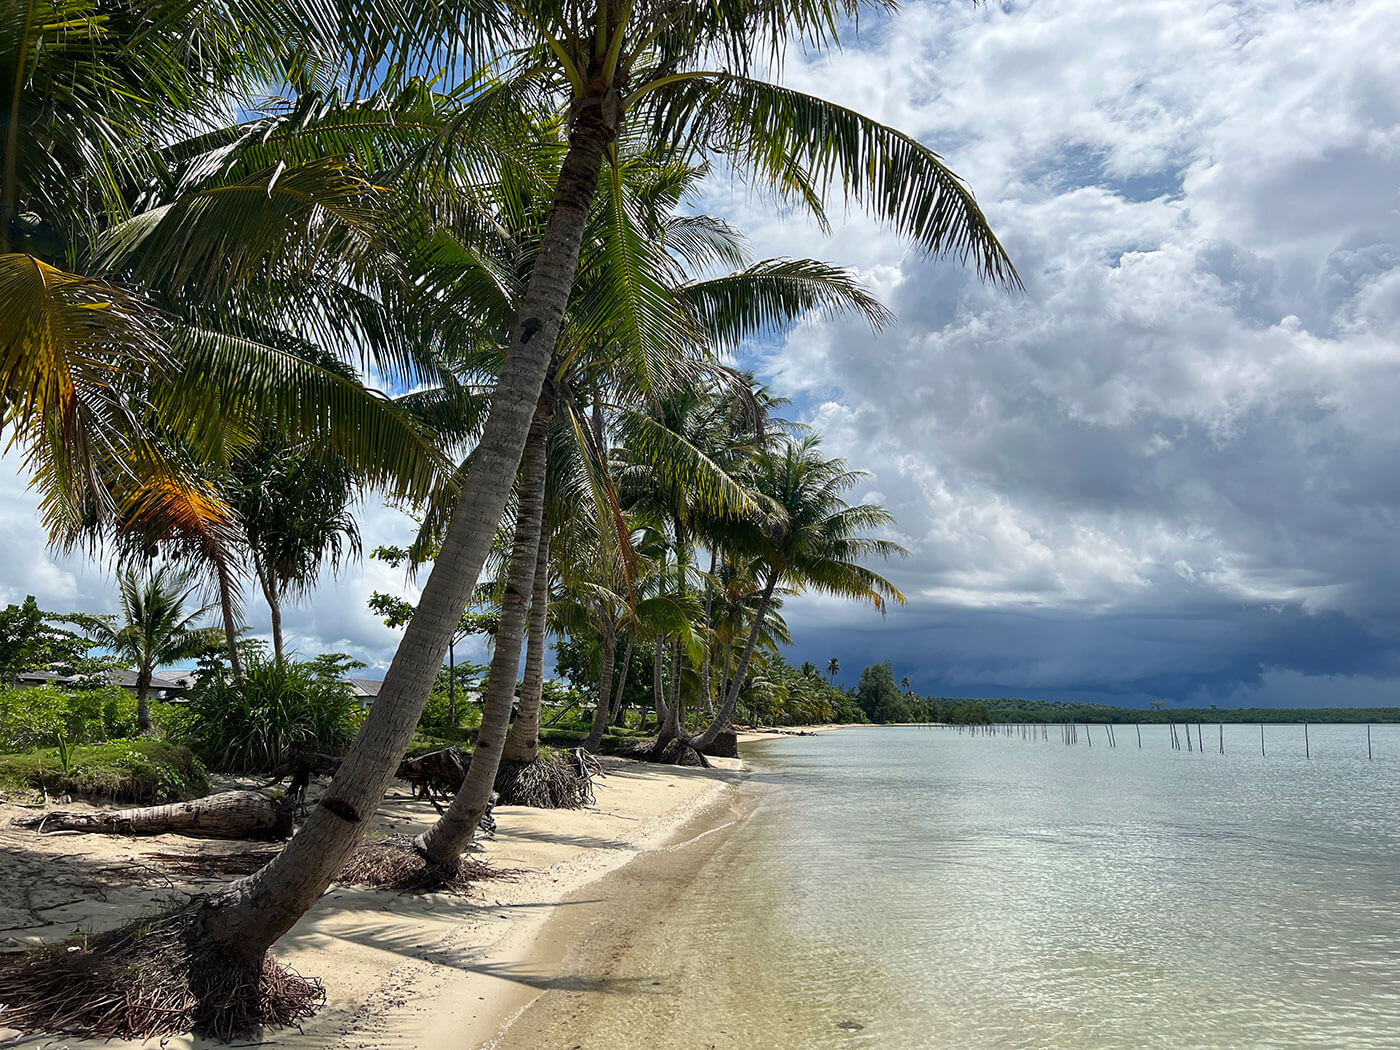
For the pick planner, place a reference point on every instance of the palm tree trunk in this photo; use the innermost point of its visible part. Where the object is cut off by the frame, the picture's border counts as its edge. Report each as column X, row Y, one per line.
column 605, row 677
column 444, row 842
column 702, row 700
column 731, row 698
column 523, row 740
column 230, row 621
column 658, row 681
column 251, row 914
column 671, row 727
column 619, row 706
column 143, row 710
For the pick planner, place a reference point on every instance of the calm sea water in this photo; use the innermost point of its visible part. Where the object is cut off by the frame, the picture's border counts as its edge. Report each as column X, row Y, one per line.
column 922, row 888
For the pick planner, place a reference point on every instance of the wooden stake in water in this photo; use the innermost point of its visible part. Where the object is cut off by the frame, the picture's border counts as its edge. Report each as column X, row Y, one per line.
column 1139, row 729
column 1307, row 749
column 1261, row 738
column 1368, row 743
column 1222, row 738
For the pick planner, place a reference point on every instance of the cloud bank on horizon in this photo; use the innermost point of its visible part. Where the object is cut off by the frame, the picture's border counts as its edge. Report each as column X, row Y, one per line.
column 1167, row 469
column 1163, row 471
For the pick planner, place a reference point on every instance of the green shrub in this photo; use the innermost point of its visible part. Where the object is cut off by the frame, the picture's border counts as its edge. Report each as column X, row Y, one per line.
column 250, row 723
column 139, row 771
column 437, row 712
column 47, row 716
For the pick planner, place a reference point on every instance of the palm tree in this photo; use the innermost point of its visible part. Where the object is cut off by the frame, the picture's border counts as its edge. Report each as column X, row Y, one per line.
column 642, row 68
column 116, row 251
column 812, row 540
column 158, row 628
column 293, row 506
column 833, row 668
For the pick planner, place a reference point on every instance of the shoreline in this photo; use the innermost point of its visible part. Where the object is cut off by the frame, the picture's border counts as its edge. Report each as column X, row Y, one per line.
column 399, row 971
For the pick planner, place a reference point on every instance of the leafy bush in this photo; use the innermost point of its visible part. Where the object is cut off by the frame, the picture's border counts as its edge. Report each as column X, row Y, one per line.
column 437, row 712
column 47, row 716
column 250, row 723
column 140, row 771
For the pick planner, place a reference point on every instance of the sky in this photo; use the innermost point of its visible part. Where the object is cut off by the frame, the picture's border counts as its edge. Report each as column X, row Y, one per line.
column 1166, row 469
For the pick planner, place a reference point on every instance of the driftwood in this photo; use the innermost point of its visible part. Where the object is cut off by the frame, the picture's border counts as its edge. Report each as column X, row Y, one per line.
column 439, row 773
column 301, row 765
column 228, row 815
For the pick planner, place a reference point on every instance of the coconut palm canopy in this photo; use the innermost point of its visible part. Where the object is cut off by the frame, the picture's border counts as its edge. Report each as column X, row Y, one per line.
column 507, row 237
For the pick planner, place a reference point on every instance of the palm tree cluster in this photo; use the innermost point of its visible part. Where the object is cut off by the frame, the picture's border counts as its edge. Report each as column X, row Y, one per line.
column 227, row 228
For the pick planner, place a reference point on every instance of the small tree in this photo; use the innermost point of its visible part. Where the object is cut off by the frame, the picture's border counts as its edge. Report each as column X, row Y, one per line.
column 29, row 639
column 158, row 629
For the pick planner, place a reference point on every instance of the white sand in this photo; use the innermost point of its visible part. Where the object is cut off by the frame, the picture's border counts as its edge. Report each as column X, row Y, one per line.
column 400, row 971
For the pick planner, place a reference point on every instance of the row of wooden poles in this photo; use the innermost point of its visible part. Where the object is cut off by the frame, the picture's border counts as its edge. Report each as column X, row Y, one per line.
column 1069, row 734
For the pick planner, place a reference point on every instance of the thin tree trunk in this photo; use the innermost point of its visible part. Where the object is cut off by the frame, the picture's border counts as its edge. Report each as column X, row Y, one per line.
column 671, row 727
column 452, row 683
column 605, row 677
column 731, row 698
column 225, row 580
column 523, row 740
column 619, row 705
column 250, row 915
column 702, row 700
column 658, row 681
column 274, row 606
column 143, row 710
column 444, row 842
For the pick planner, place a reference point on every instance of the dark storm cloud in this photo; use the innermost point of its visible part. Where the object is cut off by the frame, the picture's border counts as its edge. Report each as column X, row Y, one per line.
column 1168, row 468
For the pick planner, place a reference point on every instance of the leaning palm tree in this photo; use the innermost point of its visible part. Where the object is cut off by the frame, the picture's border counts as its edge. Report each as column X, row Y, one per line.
column 833, row 668
column 812, row 540
column 647, row 68
column 157, row 628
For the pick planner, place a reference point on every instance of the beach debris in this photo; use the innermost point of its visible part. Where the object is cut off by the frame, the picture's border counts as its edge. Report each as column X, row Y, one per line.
column 551, row 781
column 227, row 815
column 153, row 977
column 393, row 863
column 850, row 1026
column 436, row 775
column 213, row 865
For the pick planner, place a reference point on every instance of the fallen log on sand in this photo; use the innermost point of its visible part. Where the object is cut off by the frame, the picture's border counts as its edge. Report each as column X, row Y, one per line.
column 227, row 815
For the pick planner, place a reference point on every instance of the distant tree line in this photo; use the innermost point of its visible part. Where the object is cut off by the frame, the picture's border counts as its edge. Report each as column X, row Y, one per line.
column 1015, row 710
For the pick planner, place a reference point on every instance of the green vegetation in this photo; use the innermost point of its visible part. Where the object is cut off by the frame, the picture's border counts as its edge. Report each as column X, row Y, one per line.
column 250, row 722
column 47, row 716
column 138, row 771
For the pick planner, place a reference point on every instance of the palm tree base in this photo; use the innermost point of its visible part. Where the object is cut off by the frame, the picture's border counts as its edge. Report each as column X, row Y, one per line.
column 551, row 781
column 157, row 977
column 394, row 863
column 673, row 752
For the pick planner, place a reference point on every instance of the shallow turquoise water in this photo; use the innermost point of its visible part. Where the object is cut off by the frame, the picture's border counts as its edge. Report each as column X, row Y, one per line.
column 916, row 888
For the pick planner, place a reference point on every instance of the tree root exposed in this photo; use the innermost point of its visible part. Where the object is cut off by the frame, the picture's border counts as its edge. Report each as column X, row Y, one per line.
column 392, row 863
column 673, row 752
column 213, row 865
column 550, row 782
column 158, row 977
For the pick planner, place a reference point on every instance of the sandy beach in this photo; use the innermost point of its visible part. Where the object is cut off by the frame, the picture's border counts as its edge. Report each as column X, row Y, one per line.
column 400, row 971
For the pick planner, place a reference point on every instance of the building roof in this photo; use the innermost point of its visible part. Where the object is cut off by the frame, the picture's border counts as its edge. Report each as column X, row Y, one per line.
column 365, row 688
column 115, row 676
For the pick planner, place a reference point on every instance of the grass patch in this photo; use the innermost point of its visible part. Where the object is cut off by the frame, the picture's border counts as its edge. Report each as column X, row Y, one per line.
column 140, row 771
